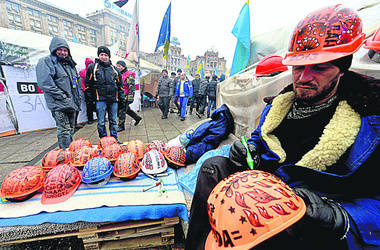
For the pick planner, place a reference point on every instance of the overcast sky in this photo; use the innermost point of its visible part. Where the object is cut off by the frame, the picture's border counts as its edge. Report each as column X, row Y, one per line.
column 203, row 24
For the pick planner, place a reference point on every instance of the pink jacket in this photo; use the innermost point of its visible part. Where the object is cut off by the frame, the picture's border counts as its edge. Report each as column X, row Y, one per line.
column 82, row 73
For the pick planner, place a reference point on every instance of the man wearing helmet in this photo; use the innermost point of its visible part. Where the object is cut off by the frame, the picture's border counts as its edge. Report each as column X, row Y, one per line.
column 320, row 135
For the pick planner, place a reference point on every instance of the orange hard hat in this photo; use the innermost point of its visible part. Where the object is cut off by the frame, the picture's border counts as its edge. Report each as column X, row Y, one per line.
column 106, row 141
column 78, row 144
column 22, row 183
column 112, row 151
column 374, row 42
column 249, row 207
column 270, row 64
column 53, row 158
column 158, row 145
column 176, row 156
column 60, row 184
column 325, row 35
column 127, row 166
column 80, row 157
column 137, row 147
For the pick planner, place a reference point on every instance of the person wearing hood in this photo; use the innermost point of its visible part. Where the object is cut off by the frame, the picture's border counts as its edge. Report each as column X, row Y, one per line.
column 59, row 80
column 128, row 78
column 105, row 81
column 90, row 102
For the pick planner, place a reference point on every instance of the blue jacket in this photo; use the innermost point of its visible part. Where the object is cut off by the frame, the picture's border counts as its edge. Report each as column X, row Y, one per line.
column 188, row 89
column 357, row 189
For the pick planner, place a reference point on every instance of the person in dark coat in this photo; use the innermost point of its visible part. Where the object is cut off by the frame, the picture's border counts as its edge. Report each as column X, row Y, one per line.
column 211, row 94
column 105, row 82
column 202, row 96
column 320, row 135
column 128, row 79
column 164, row 93
column 195, row 100
column 59, row 80
column 176, row 98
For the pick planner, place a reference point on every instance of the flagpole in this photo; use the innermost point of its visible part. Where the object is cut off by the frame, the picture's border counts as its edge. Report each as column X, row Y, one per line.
column 138, row 48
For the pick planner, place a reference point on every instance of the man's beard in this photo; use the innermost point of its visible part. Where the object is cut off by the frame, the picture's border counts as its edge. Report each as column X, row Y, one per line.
column 307, row 100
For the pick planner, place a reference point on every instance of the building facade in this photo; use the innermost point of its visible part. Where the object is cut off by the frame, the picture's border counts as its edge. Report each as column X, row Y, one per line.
column 212, row 63
column 100, row 28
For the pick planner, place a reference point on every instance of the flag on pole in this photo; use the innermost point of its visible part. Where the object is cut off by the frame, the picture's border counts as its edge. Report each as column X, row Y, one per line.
column 200, row 70
column 242, row 31
column 188, row 62
column 75, row 40
column 121, row 3
column 133, row 36
column 164, row 36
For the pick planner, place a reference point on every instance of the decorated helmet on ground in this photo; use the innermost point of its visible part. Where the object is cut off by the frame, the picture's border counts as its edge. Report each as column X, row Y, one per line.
column 269, row 65
column 373, row 42
column 112, row 151
column 60, row 184
column 78, row 144
column 22, row 183
column 83, row 155
column 54, row 158
column 106, row 141
column 127, row 166
column 98, row 170
column 325, row 35
column 153, row 163
column 249, row 207
column 176, row 156
column 158, row 145
column 137, row 147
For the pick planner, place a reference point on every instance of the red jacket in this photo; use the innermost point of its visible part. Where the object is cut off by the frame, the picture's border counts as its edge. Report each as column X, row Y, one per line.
column 82, row 73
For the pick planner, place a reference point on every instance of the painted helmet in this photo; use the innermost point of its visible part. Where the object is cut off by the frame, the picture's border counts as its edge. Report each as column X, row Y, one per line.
column 374, row 42
column 325, row 35
column 98, row 171
column 153, row 163
column 270, row 64
column 60, row 184
column 249, row 207
column 78, row 144
column 22, row 183
column 156, row 145
column 54, row 158
column 127, row 166
column 83, row 155
column 112, row 151
column 137, row 147
column 176, row 156
column 106, row 141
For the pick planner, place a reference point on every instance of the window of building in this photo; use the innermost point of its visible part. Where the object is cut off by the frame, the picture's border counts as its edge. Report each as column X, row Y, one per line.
column 35, row 23
column 33, row 12
column 51, row 18
column 93, row 41
column 17, row 18
column 15, row 27
column 10, row 17
column 92, row 32
column 67, row 24
column 81, row 28
column 53, row 28
column 13, row 6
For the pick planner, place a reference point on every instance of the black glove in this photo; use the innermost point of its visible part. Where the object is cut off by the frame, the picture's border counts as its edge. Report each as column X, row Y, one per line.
column 324, row 219
column 238, row 156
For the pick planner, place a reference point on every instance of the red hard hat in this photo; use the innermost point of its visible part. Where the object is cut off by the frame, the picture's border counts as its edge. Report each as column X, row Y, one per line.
column 80, row 157
column 112, row 151
column 374, row 42
column 270, row 64
column 137, row 147
column 158, row 145
column 53, row 158
column 78, row 144
column 325, row 35
column 106, row 141
column 126, row 166
column 60, row 184
column 22, row 183
column 176, row 156
column 249, row 207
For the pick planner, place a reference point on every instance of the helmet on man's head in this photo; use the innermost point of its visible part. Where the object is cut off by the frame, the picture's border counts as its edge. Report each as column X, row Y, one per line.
column 374, row 42
column 325, row 35
column 269, row 65
column 249, row 207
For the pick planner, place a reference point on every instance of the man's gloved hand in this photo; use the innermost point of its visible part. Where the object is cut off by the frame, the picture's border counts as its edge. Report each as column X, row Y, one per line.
column 324, row 218
column 238, row 156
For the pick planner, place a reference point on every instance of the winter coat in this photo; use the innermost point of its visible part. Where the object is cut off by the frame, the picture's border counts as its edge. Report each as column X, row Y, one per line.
column 187, row 88
column 344, row 164
column 129, row 86
column 82, row 73
column 59, row 79
column 211, row 89
column 196, row 84
column 165, row 87
column 105, row 82
column 209, row 134
column 203, row 86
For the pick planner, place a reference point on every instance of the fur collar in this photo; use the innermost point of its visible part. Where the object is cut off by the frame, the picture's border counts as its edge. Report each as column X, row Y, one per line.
column 338, row 135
